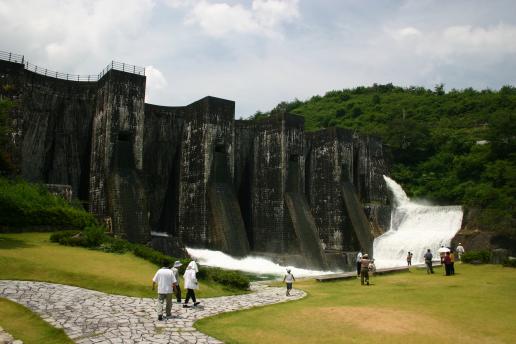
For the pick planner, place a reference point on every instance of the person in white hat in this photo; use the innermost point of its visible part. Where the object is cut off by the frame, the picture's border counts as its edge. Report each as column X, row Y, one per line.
column 364, row 269
column 175, row 270
column 289, row 279
column 190, row 279
column 460, row 251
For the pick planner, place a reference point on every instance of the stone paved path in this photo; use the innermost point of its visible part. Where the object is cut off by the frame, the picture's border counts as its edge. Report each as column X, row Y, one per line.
column 89, row 316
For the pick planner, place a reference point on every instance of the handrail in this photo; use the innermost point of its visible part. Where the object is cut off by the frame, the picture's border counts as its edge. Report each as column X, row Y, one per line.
column 121, row 66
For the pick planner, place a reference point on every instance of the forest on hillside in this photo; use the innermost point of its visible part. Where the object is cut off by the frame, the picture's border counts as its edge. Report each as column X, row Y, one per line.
column 455, row 147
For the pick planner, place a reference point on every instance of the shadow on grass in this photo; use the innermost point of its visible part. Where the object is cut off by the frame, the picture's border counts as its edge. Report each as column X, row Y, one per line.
column 9, row 243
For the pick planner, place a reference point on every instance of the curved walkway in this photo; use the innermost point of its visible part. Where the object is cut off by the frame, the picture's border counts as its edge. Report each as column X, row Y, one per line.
column 89, row 316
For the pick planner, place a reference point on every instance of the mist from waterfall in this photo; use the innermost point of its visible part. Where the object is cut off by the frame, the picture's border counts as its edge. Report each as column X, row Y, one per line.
column 254, row 265
column 414, row 227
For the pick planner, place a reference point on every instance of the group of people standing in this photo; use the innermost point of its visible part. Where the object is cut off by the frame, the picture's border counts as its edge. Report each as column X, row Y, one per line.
column 167, row 280
column 447, row 257
column 365, row 266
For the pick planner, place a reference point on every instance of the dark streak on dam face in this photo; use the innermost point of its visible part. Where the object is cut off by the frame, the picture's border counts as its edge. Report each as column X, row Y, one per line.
column 194, row 174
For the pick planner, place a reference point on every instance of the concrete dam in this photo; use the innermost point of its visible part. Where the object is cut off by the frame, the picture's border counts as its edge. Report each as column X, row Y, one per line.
column 176, row 176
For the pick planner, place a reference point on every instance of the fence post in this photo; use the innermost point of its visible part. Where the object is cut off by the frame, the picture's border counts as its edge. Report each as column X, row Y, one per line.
column 10, row 57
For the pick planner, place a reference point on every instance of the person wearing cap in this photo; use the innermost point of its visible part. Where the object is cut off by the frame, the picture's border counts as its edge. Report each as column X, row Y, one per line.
column 175, row 271
column 460, row 251
column 288, row 279
column 364, row 269
column 358, row 261
column 166, row 282
column 190, row 279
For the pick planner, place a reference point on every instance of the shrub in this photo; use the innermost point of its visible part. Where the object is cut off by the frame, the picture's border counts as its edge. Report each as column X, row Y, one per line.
column 232, row 279
column 94, row 237
column 476, row 257
column 510, row 263
column 61, row 235
column 23, row 205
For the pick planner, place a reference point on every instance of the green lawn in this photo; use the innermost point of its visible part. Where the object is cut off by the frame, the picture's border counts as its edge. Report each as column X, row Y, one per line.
column 27, row 326
column 477, row 305
column 31, row 256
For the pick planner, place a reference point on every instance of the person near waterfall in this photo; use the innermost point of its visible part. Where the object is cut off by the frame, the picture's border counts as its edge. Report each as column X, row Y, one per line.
column 447, row 263
column 428, row 261
column 359, row 263
column 460, row 251
column 409, row 258
column 289, row 279
column 190, row 277
column 364, row 269
column 452, row 262
column 372, row 269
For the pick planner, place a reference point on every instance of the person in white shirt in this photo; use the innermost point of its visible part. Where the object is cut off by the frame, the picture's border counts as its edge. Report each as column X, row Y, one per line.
column 166, row 282
column 460, row 251
column 358, row 261
column 190, row 277
column 288, row 279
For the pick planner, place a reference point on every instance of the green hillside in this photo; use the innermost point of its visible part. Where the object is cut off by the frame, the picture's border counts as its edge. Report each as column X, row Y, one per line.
column 454, row 147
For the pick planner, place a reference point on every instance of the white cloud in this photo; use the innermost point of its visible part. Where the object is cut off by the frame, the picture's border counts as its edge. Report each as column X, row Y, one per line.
column 483, row 42
column 407, row 32
column 156, row 81
column 62, row 33
column 263, row 18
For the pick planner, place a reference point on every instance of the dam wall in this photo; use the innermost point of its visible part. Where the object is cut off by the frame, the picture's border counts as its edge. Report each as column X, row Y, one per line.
column 176, row 176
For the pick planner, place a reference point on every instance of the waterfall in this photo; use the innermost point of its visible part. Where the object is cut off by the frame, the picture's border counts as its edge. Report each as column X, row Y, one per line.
column 414, row 227
column 254, row 265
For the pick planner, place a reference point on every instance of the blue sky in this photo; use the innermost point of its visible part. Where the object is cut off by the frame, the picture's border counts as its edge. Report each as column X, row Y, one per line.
column 261, row 52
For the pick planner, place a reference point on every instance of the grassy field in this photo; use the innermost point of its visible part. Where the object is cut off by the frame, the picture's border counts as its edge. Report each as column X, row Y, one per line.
column 477, row 305
column 27, row 326
column 31, row 256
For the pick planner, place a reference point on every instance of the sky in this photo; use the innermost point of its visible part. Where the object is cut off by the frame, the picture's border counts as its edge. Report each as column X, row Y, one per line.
column 259, row 53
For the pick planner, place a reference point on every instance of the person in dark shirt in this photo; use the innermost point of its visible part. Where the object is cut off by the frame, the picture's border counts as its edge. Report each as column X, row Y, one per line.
column 428, row 261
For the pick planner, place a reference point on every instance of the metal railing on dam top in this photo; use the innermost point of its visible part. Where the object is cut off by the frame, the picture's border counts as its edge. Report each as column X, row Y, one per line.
column 124, row 67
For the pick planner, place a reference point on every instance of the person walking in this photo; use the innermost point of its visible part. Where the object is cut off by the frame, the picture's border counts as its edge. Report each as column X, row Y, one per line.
column 428, row 261
column 288, row 279
column 166, row 282
column 175, row 271
column 358, row 261
column 460, row 251
column 190, row 279
column 364, row 269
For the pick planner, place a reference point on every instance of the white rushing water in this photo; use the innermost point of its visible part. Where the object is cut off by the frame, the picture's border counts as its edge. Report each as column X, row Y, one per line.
column 414, row 227
column 255, row 265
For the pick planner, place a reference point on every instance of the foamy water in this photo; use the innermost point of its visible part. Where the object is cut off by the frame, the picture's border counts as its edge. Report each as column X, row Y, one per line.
column 255, row 265
column 414, row 227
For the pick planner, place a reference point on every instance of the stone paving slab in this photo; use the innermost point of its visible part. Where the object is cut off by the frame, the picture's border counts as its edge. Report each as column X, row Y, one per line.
column 92, row 317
